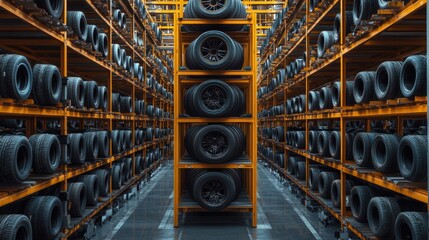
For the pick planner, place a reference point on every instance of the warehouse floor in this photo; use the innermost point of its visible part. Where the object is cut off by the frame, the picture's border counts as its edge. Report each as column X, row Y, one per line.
column 149, row 216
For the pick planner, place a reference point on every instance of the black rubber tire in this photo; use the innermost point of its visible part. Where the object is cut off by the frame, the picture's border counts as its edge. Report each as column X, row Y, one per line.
column 363, row 87
column 128, row 139
column 325, row 41
column 336, row 191
column 46, row 216
column 92, row 188
column 77, row 21
column 128, row 169
column 386, row 85
column 313, row 178
column 116, row 51
column 103, row 100
column 47, row 84
column 224, row 53
column 77, row 148
column 103, row 43
column 126, row 104
column 16, row 80
column 93, row 37
column 313, row 100
column 46, row 151
column 76, row 91
column 117, row 175
column 323, row 143
column 325, row 182
column 412, row 160
column 362, row 144
column 325, row 98
column 411, row 225
column 16, row 158
column 53, row 7
column 359, row 200
column 312, row 142
column 384, row 153
column 229, row 189
column 138, row 164
column 363, row 10
column 15, row 226
column 12, row 123
column 336, row 94
column 334, row 144
column 103, row 177
column 349, row 145
column 382, row 4
column 382, row 213
column 91, row 142
column 116, row 102
column 337, row 24
column 91, row 94
column 77, row 197
column 300, row 170
column 103, row 144
column 412, row 80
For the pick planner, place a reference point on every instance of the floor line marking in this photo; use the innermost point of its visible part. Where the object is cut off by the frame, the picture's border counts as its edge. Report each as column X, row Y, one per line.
column 164, row 224
column 153, row 183
column 263, row 222
column 300, row 214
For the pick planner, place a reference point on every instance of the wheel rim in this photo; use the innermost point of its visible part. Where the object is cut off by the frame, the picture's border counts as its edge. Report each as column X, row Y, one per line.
column 214, row 97
column 215, row 143
column 214, row 49
column 213, row 5
column 214, row 192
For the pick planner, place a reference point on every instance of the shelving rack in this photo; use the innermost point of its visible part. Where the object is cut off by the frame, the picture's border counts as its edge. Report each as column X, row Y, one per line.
column 382, row 38
column 31, row 32
column 246, row 80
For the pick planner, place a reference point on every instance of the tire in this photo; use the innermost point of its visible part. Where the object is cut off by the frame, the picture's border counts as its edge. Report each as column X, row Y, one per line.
column 325, row 41
column 363, row 10
column 313, row 5
column 103, row 144
column 337, row 24
column 16, row 80
column 334, row 144
column 103, row 43
column 336, row 96
column 386, row 85
column 91, row 94
column 15, row 226
column 117, row 176
column 116, row 50
column 349, row 145
column 359, row 200
column 300, row 139
column 138, row 164
column 323, row 142
column 53, row 8
column 300, row 170
column 16, row 158
column 412, row 159
column 103, row 100
column 128, row 140
column 224, row 180
column 382, row 4
column 93, row 37
column 77, row 21
column 12, row 123
column 128, row 169
column 46, row 151
column 116, row 102
column 363, row 87
column 230, row 58
column 47, row 85
column 411, row 225
column 76, row 92
column 46, row 216
column 313, row 179
column 91, row 142
column 103, row 177
column 412, row 80
column 325, row 182
column 312, row 142
column 91, row 183
column 77, row 195
column 325, row 98
column 382, row 212
column 362, row 145
column 384, row 153
column 77, row 148
column 313, row 100
column 336, row 191
column 126, row 104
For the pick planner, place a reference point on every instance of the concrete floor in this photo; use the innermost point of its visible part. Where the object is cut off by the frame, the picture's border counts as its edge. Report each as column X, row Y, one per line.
column 149, row 216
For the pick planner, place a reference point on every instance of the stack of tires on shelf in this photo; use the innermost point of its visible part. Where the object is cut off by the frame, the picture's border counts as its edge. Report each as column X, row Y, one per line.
column 43, row 155
column 215, row 143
